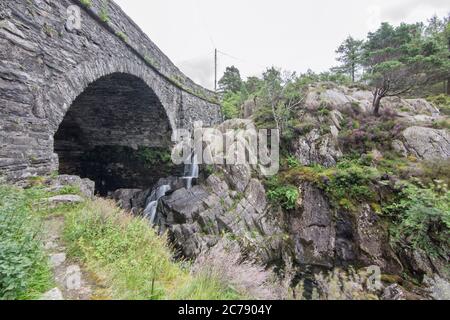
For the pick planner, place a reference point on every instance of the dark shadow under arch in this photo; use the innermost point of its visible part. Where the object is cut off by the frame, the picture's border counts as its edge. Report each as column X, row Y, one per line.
column 116, row 133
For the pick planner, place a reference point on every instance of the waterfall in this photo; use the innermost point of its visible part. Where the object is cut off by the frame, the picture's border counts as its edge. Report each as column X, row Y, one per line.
column 152, row 202
column 191, row 171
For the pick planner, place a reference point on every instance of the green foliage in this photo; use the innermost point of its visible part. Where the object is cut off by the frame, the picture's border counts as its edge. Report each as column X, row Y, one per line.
column 437, row 170
column 24, row 269
column 86, row 3
column 347, row 185
column 152, row 62
column 231, row 103
column 154, row 156
column 352, row 180
column 422, row 218
column 207, row 287
column 231, row 80
column 122, row 36
column 104, row 14
column 399, row 59
column 442, row 102
column 284, row 195
column 292, row 162
column 134, row 261
column 349, row 54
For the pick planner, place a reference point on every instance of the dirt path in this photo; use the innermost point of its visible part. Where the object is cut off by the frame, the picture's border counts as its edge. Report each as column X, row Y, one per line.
column 72, row 282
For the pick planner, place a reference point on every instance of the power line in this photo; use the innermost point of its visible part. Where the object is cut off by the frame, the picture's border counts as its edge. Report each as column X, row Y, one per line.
column 241, row 60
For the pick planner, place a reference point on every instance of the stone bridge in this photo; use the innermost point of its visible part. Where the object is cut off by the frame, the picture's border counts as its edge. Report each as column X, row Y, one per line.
column 100, row 101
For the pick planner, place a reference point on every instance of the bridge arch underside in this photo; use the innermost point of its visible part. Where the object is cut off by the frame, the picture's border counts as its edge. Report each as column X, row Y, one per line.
column 116, row 133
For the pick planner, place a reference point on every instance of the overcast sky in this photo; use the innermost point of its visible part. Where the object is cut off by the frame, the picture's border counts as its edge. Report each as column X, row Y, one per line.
column 290, row 34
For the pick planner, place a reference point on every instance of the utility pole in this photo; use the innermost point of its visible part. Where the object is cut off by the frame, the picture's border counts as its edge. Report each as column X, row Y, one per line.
column 215, row 70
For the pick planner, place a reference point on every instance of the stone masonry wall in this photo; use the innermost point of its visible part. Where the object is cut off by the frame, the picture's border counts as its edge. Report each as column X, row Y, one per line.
column 44, row 67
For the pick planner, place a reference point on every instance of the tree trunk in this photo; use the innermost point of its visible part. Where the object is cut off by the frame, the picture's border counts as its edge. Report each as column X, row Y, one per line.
column 376, row 103
column 448, row 79
column 353, row 73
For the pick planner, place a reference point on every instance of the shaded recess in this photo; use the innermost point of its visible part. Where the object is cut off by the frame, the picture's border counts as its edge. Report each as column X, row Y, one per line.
column 116, row 133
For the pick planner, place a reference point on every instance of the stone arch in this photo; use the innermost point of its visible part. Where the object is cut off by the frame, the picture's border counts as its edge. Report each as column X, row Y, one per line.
column 112, row 122
column 54, row 101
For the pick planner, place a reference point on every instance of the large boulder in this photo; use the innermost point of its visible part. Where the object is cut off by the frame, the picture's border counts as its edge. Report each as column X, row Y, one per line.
column 249, row 108
column 422, row 106
column 315, row 148
column 425, row 143
column 85, row 186
column 124, row 197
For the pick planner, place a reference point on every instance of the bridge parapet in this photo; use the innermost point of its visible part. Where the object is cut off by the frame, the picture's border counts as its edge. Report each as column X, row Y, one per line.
column 115, row 20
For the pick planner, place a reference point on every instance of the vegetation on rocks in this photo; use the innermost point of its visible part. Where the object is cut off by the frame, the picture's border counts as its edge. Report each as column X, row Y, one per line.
column 336, row 139
column 422, row 217
column 126, row 256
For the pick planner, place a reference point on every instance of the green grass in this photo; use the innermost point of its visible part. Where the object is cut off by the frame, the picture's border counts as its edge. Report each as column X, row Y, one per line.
column 122, row 252
column 131, row 260
column 24, row 269
column 86, row 3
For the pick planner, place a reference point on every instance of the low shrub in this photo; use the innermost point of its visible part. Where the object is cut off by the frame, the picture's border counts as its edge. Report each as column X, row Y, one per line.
column 224, row 266
column 422, row 218
column 132, row 260
column 442, row 101
column 24, row 269
column 286, row 196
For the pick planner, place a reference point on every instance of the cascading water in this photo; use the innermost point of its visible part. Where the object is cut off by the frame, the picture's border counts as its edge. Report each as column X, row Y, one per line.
column 152, row 202
column 191, row 171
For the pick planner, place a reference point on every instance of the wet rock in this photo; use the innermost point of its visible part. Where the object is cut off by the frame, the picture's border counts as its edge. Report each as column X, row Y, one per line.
column 197, row 218
column 421, row 264
column 183, row 206
column 186, row 238
column 124, row 197
column 373, row 242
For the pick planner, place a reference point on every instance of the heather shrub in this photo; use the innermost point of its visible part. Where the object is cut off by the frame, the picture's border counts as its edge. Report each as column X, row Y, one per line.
column 342, row 285
column 225, row 263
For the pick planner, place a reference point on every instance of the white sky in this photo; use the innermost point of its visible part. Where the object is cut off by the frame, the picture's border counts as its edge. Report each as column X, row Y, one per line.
column 290, row 34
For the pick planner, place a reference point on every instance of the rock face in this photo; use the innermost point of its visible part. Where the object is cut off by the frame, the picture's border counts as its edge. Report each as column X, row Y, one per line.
column 425, row 143
column 313, row 229
column 197, row 218
column 314, row 148
column 343, row 99
column 94, row 87
column 328, row 237
column 124, row 197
